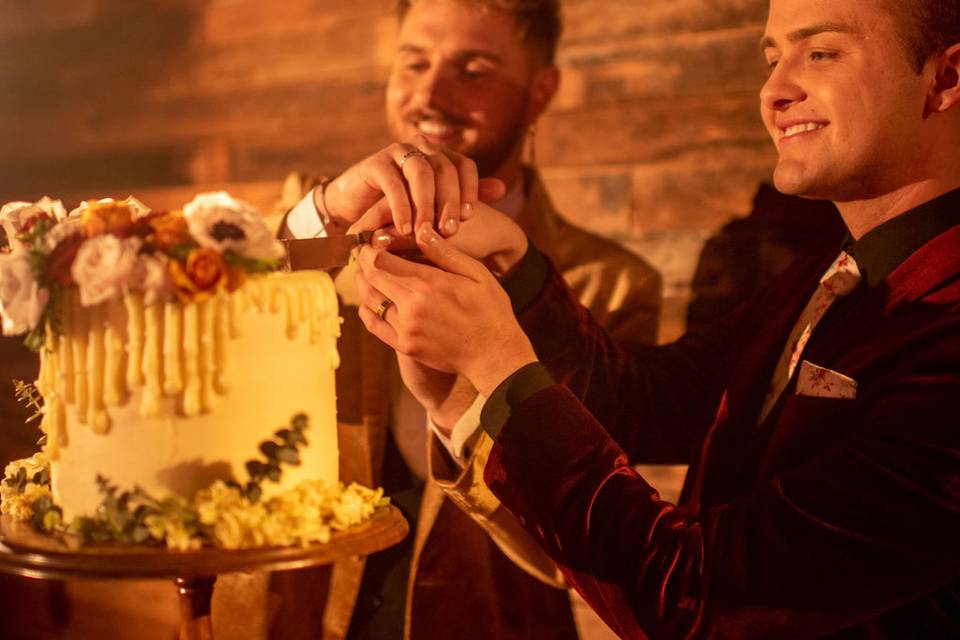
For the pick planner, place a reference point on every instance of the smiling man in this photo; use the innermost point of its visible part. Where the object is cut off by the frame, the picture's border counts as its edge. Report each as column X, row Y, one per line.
column 824, row 491
column 472, row 77
column 462, row 79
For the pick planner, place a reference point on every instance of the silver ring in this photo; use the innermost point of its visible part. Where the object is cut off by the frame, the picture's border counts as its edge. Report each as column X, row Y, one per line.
column 411, row 154
column 383, row 308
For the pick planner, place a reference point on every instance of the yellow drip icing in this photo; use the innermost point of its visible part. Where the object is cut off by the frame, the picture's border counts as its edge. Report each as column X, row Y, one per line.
column 192, row 404
column 303, row 304
column 221, row 321
column 114, row 389
column 208, row 367
column 291, row 303
column 134, row 304
column 152, row 361
column 65, row 349
column 276, row 298
column 235, row 306
column 171, row 348
column 313, row 318
column 256, row 296
column 78, row 340
column 96, row 356
column 172, row 340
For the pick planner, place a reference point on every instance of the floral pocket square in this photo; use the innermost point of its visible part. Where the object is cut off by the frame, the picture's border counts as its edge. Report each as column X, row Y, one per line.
column 819, row 382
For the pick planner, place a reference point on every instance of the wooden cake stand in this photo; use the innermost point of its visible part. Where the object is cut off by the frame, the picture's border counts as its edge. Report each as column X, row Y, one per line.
column 27, row 553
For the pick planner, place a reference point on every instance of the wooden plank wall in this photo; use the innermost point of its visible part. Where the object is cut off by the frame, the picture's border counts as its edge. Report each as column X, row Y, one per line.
column 654, row 139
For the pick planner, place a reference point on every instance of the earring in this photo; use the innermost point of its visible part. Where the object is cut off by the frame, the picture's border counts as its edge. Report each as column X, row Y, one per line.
column 532, row 144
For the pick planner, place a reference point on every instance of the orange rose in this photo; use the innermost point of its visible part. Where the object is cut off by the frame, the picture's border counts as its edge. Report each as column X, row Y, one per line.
column 169, row 229
column 203, row 274
column 106, row 217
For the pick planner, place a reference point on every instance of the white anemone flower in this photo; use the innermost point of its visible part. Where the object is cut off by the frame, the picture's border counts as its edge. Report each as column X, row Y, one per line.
column 219, row 221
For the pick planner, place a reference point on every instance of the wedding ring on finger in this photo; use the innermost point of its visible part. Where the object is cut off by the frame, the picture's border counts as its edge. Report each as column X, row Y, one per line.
column 383, row 308
column 413, row 153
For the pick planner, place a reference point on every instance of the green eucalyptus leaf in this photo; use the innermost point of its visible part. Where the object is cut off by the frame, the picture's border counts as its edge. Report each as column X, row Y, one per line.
column 253, row 492
column 255, row 469
column 42, row 477
column 35, row 339
column 288, row 455
column 269, row 448
column 51, row 520
column 274, row 473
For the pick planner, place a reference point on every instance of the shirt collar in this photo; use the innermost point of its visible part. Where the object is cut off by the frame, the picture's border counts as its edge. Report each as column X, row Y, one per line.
column 884, row 248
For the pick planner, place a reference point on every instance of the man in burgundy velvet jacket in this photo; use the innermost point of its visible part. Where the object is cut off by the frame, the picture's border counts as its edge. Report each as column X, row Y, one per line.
column 824, row 493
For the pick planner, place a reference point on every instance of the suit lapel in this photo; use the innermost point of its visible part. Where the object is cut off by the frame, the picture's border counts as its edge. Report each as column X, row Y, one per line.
column 930, row 267
column 731, row 449
column 735, row 445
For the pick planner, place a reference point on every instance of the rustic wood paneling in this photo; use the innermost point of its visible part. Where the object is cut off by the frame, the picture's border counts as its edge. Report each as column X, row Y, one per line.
column 26, row 17
column 641, row 131
column 662, row 66
column 654, row 139
column 598, row 20
column 655, row 130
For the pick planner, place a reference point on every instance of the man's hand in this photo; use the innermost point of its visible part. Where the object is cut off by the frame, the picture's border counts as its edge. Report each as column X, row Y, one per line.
column 453, row 318
column 406, row 185
column 445, row 396
column 488, row 236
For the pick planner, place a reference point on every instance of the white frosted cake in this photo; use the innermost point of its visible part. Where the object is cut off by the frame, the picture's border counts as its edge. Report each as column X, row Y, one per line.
column 173, row 396
column 173, row 359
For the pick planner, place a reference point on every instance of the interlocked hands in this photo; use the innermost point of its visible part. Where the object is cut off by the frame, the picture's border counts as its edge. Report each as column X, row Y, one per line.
column 449, row 317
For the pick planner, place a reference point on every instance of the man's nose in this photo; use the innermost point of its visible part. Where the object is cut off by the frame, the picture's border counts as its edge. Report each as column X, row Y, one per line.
column 782, row 88
column 433, row 89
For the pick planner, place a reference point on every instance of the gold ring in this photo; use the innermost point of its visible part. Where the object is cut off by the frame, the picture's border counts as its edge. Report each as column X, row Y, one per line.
column 382, row 309
column 411, row 154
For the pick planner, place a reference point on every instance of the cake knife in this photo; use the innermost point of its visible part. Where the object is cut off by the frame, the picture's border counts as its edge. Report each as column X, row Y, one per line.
column 323, row 253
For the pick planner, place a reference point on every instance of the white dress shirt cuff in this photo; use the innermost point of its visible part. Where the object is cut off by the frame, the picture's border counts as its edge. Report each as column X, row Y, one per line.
column 304, row 221
column 464, row 432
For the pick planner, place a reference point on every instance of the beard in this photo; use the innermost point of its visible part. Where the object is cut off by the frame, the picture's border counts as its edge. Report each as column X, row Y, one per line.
column 492, row 156
column 490, row 151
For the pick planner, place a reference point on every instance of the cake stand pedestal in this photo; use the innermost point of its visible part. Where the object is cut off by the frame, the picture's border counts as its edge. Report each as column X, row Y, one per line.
column 27, row 553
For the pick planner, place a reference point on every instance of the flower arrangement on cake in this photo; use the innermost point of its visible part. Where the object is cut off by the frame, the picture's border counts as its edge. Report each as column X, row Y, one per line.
column 107, row 248
column 136, row 315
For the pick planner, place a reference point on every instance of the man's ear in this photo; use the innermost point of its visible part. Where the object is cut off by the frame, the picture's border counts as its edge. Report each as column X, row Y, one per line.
column 945, row 91
column 543, row 86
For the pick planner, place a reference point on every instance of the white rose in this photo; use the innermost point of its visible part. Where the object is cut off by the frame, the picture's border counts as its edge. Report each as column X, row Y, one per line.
column 63, row 230
column 150, row 275
column 218, row 221
column 22, row 300
column 14, row 215
column 103, row 267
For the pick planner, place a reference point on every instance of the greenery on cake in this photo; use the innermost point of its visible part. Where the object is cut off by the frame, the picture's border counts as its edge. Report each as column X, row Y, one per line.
column 26, row 393
column 229, row 515
column 106, row 249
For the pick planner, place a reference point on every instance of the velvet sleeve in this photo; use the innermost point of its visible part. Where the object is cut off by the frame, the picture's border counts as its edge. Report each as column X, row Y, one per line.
column 866, row 525
column 672, row 390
